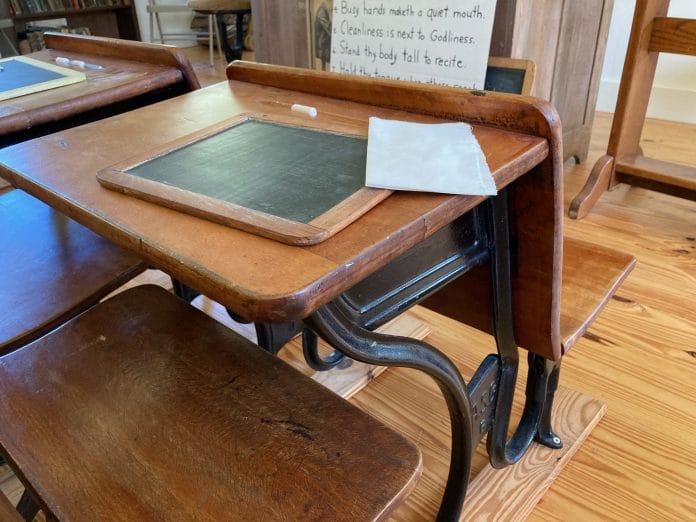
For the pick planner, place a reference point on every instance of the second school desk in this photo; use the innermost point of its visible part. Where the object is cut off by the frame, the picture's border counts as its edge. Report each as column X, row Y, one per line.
column 133, row 74
column 267, row 281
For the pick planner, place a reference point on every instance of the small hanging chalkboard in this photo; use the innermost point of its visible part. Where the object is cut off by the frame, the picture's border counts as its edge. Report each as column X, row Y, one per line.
column 511, row 75
column 292, row 184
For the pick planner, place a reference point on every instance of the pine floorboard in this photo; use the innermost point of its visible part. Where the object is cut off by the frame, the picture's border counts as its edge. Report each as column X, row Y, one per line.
column 639, row 357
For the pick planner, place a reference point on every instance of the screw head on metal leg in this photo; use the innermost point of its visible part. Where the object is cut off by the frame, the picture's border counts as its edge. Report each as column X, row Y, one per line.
column 549, row 439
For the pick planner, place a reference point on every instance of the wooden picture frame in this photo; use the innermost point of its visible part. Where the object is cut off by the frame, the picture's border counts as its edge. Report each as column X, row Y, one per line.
column 121, row 178
column 319, row 32
column 65, row 77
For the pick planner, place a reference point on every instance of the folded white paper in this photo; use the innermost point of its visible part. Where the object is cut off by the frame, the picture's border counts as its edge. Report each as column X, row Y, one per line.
column 443, row 157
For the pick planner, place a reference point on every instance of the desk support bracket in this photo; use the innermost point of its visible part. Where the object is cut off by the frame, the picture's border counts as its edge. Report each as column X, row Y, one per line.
column 333, row 325
column 542, row 381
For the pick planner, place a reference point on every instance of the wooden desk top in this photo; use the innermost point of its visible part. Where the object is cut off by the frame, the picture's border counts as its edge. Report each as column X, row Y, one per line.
column 130, row 69
column 258, row 278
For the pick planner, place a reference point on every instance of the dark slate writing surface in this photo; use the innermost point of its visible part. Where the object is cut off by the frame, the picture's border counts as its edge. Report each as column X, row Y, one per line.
column 18, row 74
column 504, row 79
column 293, row 173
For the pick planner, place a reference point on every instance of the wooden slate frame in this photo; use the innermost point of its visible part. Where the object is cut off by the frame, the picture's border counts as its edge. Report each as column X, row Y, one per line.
column 515, row 64
column 68, row 77
column 226, row 213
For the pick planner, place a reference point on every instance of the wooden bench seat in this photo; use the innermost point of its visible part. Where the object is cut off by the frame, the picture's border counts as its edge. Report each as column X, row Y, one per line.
column 144, row 408
column 591, row 275
column 51, row 269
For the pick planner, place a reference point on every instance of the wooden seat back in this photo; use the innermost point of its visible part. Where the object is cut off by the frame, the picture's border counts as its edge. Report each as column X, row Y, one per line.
column 591, row 276
column 52, row 268
column 144, row 408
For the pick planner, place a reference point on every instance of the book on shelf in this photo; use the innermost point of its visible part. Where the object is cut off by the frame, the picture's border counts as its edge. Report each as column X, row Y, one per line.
column 32, row 7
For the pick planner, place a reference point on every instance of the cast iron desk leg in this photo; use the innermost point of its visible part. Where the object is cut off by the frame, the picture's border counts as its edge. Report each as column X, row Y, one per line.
column 543, row 374
column 373, row 348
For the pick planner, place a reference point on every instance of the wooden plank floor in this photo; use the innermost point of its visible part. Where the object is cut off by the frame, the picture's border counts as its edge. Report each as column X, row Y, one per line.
column 639, row 358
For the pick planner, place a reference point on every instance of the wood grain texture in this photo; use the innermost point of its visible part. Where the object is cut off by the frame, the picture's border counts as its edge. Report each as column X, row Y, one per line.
column 512, row 493
column 681, row 178
column 230, row 265
column 639, row 462
column 67, row 77
column 538, row 223
column 155, row 54
column 567, row 42
column 91, row 433
column 651, row 32
column 130, row 69
column 673, row 35
column 7, row 511
column 592, row 275
column 52, row 269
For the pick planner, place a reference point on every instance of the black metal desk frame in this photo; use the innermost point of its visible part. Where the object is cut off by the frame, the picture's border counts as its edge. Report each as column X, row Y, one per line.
column 484, row 404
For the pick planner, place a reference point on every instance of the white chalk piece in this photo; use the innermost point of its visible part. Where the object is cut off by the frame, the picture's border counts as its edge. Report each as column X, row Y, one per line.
column 77, row 63
column 304, row 109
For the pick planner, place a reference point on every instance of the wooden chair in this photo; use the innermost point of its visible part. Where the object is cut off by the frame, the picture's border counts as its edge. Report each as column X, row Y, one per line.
column 51, row 270
column 93, row 413
column 652, row 33
column 155, row 8
column 220, row 8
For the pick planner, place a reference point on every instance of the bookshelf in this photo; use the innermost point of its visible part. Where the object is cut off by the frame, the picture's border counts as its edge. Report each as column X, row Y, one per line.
column 112, row 18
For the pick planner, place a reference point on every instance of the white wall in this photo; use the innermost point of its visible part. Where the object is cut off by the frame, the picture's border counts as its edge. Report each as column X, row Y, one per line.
column 171, row 22
column 674, row 88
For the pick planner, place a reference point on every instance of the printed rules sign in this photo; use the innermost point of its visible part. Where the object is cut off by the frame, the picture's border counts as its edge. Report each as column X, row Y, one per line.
column 439, row 42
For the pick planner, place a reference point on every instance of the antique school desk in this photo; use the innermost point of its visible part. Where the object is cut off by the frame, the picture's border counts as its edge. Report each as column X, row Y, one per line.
column 133, row 74
column 396, row 254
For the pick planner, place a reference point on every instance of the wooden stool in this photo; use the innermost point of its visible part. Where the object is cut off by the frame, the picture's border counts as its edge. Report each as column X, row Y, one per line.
column 51, row 270
column 144, row 408
column 220, row 8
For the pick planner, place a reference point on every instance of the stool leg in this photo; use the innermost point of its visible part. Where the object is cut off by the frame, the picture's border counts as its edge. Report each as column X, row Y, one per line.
column 231, row 53
column 211, row 37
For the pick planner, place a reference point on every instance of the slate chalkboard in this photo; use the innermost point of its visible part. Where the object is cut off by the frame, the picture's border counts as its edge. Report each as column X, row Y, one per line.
column 293, row 184
column 22, row 75
column 510, row 75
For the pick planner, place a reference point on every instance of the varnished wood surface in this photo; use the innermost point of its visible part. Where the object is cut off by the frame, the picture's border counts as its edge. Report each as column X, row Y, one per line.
column 638, row 464
column 55, row 269
column 682, row 177
column 229, row 265
column 146, row 409
column 651, row 33
column 535, row 198
column 673, row 35
column 591, row 276
column 7, row 511
column 129, row 69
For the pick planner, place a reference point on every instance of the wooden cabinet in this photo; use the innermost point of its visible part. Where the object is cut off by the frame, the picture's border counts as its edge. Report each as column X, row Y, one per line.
column 567, row 40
